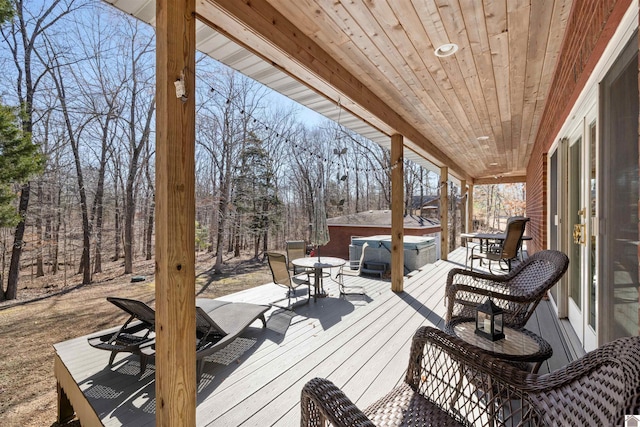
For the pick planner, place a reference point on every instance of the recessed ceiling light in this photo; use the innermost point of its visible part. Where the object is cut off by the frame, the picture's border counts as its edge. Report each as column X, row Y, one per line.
column 493, row 164
column 446, row 50
column 482, row 138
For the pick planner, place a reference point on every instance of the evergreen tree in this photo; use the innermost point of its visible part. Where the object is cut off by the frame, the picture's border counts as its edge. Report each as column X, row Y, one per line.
column 255, row 196
column 6, row 11
column 19, row 160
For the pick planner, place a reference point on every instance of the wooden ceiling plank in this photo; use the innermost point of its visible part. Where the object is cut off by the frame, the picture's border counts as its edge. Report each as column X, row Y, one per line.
column 518, row 12
column 539, row 29
column 449, row 79
column 475, row 22
column 466, row 32
column 559, row 19
column 399, row 51
column 418, row 49
column 377, row 38
column 261, row 20
column 432, row 113
column 376, row 65
column 497, row 29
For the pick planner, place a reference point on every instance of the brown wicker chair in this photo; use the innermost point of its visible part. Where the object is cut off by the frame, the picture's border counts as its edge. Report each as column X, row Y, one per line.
column 517, row 293
column 597, row 390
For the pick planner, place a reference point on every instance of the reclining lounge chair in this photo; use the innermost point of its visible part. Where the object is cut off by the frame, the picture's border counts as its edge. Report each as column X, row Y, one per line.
column 130, row 337
column 218, row 323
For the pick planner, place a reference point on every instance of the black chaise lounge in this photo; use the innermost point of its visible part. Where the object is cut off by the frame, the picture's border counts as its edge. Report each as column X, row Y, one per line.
column 218, row 323
column 131, row 336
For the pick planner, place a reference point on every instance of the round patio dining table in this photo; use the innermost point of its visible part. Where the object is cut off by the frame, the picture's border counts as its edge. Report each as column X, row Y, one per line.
column 318, row 264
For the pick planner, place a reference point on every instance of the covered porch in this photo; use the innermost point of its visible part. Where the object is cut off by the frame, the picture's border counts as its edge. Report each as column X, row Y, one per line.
column 388, row 67
column 360, row 342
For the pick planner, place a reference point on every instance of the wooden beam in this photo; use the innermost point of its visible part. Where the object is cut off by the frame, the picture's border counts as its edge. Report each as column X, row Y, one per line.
column 470, row 209
column 444, row 213
column 175, row 214
column 500, row 180
column 261, row 29
column 397, row 214
column 463, row 206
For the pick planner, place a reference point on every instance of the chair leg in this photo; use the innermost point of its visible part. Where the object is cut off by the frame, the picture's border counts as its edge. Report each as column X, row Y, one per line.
column 143, row 364
column 199, row 369
column 112, row 357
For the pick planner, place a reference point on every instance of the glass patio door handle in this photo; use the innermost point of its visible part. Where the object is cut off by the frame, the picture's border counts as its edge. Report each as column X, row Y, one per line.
column 578, row 234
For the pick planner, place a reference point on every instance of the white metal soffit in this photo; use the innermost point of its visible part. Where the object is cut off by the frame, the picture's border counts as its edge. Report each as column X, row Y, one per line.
column 220, row 48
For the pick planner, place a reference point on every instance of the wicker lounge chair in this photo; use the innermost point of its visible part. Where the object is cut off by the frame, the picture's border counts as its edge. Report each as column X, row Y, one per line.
column 218, row 323
column 281, row 276
column 517, row 293
column 505, row 250
column 597, row 390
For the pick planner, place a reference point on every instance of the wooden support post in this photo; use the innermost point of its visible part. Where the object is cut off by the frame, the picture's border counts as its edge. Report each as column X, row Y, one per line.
column 175, row 214
column 444, row 213
column 470, row 209
column 463, row 206
column 397, row 214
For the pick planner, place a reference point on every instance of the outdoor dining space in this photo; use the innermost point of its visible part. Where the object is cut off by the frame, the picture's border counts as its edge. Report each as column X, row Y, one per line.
column 359, row 342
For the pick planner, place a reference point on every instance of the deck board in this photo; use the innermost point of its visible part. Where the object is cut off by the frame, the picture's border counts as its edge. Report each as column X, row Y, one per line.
column 360, row 342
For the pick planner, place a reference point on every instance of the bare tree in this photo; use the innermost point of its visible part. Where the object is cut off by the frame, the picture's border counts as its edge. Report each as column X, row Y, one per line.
column 138, row 130
column 22, row 37
column 224, row 125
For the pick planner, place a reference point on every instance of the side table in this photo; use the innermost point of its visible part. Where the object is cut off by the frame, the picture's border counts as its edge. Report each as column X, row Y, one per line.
column 520, row 346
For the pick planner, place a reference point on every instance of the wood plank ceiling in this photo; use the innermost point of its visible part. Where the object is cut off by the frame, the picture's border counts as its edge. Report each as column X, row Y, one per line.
column 477, row 111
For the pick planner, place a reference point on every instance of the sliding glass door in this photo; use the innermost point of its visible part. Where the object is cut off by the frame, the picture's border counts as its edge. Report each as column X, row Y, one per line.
column 620, row 192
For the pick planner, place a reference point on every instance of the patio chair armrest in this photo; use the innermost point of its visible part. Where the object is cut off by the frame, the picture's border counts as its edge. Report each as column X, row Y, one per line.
column 465, row 276
column 322, row 401
column 349, row 268
column 301, row 278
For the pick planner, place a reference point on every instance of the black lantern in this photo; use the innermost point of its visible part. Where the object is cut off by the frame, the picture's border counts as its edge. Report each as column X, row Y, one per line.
column 489, row 321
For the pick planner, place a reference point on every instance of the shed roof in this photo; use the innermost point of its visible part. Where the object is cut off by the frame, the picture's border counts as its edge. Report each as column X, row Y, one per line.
column 380, row 218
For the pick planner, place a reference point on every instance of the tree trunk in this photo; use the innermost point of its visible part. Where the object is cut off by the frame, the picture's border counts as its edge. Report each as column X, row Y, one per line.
column 38, row 224
column 97, row 257
column 223, row 209
column 85, row 261
column 129, row 213
column 16, row 251
column 150, row 222
column 130, row 200
column 116, row 225
column 56, row 234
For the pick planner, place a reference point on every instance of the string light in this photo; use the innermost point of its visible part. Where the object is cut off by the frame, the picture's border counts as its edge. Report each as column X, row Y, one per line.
column 313, row 153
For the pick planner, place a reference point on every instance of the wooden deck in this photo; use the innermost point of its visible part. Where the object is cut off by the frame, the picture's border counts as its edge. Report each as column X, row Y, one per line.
column 360, row 342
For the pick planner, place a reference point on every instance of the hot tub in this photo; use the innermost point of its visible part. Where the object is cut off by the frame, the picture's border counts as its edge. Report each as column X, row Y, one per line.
column 418, row 250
